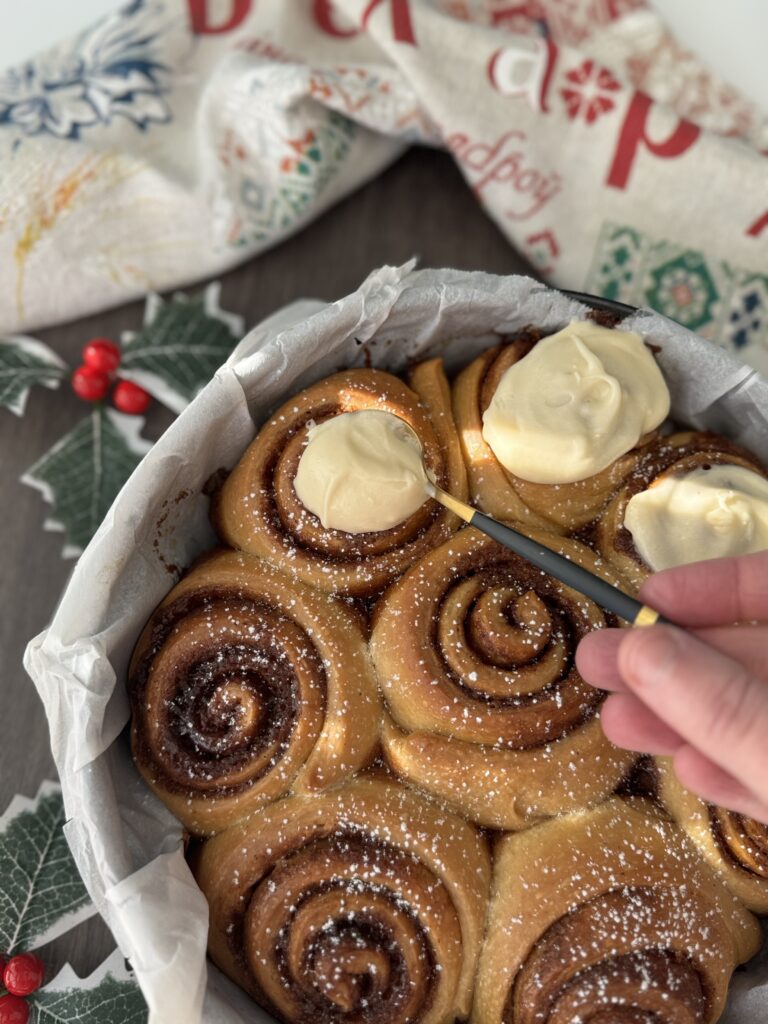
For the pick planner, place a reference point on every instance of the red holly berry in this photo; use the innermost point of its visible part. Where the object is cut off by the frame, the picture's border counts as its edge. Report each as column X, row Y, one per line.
column 129, row 397
column 89, row 384
column 102, row 354
column 23, row 974
column 13, row 1010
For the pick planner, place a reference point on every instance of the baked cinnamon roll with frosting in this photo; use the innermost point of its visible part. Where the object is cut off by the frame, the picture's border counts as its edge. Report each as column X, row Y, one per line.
column 691, row 496
column 259, row 510
column 551, row 426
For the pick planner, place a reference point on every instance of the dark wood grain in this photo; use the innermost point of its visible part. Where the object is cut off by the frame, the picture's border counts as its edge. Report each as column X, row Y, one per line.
column 419, row 207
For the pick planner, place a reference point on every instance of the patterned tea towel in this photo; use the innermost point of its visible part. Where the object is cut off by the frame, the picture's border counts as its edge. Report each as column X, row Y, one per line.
column 177, row 137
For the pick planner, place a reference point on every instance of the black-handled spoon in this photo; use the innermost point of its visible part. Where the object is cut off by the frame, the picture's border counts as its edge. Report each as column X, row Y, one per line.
column 557, row 565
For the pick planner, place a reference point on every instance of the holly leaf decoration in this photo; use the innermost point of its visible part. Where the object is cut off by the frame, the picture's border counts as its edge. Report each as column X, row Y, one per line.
column 108, row 996
column 23, row 363
column 183, row 342
column 83, row 472
column 41, row 895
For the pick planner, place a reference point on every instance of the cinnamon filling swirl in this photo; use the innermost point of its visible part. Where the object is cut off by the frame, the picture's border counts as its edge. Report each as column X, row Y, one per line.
column 742, row 841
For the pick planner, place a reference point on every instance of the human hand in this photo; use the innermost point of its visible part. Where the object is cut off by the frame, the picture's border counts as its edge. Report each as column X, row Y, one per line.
column 700, row 694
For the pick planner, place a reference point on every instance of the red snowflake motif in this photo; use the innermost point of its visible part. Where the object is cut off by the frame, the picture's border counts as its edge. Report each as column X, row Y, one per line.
column 589, row 94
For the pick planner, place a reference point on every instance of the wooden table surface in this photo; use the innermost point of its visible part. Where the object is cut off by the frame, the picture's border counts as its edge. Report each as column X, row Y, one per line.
column 419, row 207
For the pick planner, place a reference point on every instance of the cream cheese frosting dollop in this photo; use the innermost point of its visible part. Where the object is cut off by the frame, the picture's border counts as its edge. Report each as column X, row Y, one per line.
column 707, row 513
column 361, row 472
column 576, row 402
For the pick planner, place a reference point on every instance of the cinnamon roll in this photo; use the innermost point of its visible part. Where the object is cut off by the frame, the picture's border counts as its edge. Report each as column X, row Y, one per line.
column 474, row 650
column 701, row 528
column 244, row 683
column 258, row 509
column 570, row 501
column 608, row 915
column 362, row 903
column 735, row 846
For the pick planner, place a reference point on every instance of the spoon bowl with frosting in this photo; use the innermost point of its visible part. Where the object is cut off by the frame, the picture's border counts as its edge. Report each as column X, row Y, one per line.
column 362, row 472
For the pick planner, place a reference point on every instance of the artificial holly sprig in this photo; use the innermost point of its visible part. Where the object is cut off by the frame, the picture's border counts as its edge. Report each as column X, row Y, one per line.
column 92, row 380
column 180, row 345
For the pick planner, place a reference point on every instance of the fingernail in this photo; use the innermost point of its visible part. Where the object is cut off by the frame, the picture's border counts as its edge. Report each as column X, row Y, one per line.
column 647, row 657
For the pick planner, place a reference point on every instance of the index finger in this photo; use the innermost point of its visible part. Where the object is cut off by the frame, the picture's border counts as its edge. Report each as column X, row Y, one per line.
column 711, row 593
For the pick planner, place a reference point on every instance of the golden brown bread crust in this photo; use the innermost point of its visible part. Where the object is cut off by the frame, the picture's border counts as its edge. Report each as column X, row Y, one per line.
column 608, row 915
column 563, row 508
column 474, row 651
column 258, row 510
column 674, row 455
column 363, row 903
column 245, row 683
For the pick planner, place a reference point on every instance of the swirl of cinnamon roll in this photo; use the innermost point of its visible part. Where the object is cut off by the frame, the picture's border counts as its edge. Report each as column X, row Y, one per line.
column 667, row 459
column 258, row 509
column 734, row 845
column 562, row 507
column 474, row 650
column 362, row 903
column 608, row 915
column 245, row 683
